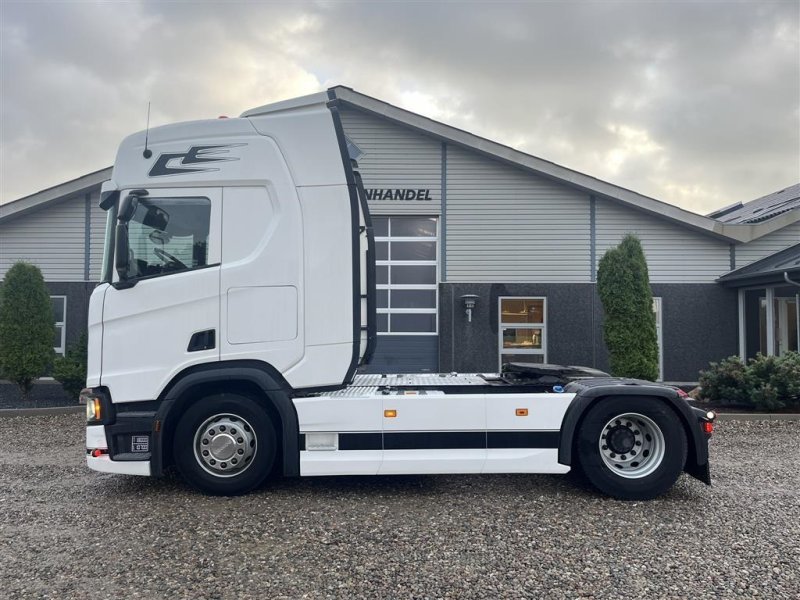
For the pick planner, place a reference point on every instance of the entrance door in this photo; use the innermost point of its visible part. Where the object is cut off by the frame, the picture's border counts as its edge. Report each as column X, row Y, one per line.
column 786, row 322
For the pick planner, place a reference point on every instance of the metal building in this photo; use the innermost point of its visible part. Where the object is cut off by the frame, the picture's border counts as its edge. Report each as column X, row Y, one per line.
column 462, row 222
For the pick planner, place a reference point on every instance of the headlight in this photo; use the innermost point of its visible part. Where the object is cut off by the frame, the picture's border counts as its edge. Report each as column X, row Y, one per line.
column 94, row 410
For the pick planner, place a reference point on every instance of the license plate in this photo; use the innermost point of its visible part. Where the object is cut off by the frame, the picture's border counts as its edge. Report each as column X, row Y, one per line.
column 140, row 443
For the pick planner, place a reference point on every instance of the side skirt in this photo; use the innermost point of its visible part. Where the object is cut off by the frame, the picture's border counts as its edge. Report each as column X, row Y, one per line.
column 429, row 452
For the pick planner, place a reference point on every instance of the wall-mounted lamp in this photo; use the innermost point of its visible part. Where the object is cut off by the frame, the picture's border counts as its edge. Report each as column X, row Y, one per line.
column 469, row 303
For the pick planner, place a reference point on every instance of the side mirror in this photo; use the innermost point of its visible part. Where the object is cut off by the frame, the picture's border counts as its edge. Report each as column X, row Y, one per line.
column 121, row 257
column 127, row 208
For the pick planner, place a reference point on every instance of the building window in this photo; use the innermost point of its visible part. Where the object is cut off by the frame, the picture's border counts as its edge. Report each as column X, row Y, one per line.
column 523, row 330
column 660, row 337
column 406, row 250
column 60, row 317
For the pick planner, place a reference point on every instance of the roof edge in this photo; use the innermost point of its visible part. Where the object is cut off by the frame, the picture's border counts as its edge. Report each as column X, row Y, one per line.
column 37, row 200
column 592, row 185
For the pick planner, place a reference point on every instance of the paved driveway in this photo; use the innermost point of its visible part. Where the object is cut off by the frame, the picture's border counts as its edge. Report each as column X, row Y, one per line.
column 67, row 532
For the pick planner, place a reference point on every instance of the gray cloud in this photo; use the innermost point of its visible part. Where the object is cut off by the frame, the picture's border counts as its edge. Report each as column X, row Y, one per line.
column 692, row 103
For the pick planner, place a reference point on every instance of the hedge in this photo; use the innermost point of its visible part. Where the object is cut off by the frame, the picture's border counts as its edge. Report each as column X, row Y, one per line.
column 763, row 383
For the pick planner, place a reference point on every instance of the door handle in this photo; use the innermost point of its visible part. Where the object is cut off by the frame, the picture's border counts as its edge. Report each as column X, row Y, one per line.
column 203, row 340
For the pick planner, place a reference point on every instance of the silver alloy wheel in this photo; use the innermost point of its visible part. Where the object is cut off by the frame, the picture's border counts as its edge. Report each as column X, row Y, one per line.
column 225, row 445
column 632, row 445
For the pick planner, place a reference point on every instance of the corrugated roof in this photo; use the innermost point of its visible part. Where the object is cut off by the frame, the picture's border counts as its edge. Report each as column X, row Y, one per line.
column 760, row 209
column 774, row 265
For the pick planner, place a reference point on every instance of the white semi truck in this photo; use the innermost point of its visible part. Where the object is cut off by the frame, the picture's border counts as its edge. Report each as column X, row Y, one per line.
column 238, row 301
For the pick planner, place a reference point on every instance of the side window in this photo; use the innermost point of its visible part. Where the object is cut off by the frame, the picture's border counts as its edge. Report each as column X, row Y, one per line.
column 167, row 235
column 523, row 330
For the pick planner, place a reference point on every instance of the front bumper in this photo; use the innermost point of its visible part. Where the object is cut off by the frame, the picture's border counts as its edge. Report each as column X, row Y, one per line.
column 96, row 440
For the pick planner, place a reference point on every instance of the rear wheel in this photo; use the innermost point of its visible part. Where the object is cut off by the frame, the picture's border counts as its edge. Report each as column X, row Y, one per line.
column 632, row 449
column 225, row 445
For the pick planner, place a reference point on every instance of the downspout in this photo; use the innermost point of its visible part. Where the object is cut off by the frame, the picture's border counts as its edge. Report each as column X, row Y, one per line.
column 789, row 280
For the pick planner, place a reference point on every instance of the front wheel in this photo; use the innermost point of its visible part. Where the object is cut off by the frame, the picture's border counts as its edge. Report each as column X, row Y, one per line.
column 632, row 449
column 225, row 445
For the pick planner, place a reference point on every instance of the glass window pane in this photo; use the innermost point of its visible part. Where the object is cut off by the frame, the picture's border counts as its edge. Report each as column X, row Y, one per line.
column 380, row 226
column 528, row 339
column 57, row 337
column 382, row 298
column 413, row 274
column 413, row 226
column 413, row 250
column 521, row 358
column 169, row 234
column 522, row 310
column 381, row 250
column 383, row 323
column 404, row 323
column 413, row 298
column 58, row 309
column 382, row 274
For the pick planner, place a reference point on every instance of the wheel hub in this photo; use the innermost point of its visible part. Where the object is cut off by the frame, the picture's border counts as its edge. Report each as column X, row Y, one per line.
column 621, row 439
column 632, row 445
column 224, row 445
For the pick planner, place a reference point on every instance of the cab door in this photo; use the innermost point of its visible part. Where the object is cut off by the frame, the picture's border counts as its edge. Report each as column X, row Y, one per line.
column 162, row 315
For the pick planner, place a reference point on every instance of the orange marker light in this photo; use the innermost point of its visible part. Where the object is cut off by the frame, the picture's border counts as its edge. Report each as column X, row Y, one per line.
column 390, row 414
column 522, row 412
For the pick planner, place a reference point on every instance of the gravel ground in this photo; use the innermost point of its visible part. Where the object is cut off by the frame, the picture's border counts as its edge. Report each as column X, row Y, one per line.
column 67, row 532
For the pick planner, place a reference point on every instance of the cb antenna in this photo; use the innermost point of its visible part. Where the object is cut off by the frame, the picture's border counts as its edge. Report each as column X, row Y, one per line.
column 147, row 152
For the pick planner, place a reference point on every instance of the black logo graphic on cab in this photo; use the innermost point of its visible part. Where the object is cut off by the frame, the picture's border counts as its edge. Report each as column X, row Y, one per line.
column 178, row 163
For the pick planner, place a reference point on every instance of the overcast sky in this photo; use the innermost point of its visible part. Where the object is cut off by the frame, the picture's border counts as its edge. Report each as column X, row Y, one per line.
column 694, row 103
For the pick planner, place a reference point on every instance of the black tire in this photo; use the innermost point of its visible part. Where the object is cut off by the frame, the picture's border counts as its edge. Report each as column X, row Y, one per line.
column 657, row 477
column 228, row 409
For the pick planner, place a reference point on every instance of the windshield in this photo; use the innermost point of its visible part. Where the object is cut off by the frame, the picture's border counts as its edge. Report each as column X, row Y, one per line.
column 167, row 235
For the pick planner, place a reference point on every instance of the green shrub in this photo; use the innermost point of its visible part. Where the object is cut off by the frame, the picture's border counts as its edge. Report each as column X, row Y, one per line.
column 787, row 378
column 70, row 370
column 629, row 325
column 726, row 382
column 26, row 326
column 765, row 383
column 775, row 381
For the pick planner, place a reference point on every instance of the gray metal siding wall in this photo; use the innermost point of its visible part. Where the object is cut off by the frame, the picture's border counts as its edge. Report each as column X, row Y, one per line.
column 505, row 224
column 395, row 157
column 769, row 244
column 674, row 254
column 52, row 238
